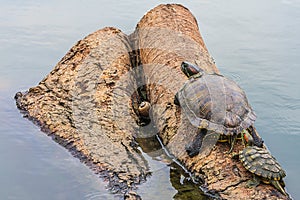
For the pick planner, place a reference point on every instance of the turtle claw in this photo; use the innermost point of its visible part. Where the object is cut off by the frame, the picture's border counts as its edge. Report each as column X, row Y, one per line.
column 191, row 151
column 232, row 144
column 193, row 148
column 176, row 101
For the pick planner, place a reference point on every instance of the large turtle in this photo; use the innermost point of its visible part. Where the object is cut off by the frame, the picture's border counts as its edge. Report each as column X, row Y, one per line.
column 262, row 164
column 216, row 105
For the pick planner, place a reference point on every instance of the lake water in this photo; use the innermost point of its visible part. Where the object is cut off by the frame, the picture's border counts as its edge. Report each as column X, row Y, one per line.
column 254, row 42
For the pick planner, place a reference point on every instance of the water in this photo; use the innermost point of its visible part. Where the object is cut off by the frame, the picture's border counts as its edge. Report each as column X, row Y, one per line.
column 254, row 42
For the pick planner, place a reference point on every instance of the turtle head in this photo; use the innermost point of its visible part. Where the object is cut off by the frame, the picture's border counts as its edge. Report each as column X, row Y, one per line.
column 247, row 138
column 190, row 69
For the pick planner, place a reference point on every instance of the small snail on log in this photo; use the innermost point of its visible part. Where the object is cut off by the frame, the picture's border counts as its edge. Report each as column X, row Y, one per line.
column 144, row 108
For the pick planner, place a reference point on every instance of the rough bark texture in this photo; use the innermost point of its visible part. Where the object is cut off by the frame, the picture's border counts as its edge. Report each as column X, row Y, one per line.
column 166, row 36
column 85, row 104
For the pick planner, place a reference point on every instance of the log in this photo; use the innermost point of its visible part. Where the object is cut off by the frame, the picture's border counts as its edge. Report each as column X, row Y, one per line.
column 164, row 37
column 85, row 105
column 88, row 104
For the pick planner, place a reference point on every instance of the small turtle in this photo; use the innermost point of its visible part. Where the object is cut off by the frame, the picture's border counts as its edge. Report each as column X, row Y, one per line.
column 262, row 164
column 216, row 105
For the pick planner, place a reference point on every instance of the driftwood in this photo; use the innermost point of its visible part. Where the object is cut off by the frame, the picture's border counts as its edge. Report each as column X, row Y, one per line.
column 86, row 104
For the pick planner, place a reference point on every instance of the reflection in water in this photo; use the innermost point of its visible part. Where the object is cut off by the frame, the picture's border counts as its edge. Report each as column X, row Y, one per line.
column 180, row 180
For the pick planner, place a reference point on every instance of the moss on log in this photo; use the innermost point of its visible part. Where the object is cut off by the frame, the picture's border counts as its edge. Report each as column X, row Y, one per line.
column 166, row 36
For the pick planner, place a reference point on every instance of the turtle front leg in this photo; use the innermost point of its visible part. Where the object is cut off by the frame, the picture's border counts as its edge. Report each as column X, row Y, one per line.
column 176, row 101
column 193, row 148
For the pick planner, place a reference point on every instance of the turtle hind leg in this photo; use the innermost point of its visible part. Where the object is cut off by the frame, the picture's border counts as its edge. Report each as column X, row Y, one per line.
column 252, row 183
column 193, row 148
column 258, row 141
column 278, row 186
column 232, row 142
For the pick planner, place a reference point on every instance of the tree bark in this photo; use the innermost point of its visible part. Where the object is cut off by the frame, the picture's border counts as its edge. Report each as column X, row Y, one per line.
column 166, row 36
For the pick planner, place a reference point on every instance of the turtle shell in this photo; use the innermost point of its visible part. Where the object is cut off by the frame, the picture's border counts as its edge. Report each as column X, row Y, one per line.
column 216, row 103
column 260, row 162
